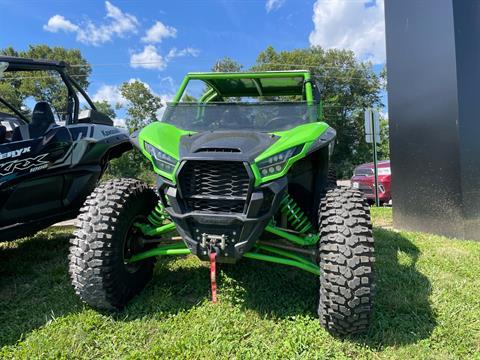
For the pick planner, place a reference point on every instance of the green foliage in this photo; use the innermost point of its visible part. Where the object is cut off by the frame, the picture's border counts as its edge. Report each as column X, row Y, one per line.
column 187, row 98
column 105, row 108
column 142, row 108
column 227, row 64
column 426, row 306
column 384, row 146
column 130, row 164
column 40, row 85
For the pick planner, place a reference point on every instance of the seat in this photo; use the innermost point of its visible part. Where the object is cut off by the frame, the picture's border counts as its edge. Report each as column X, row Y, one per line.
column 42, row 120
column 3, row 134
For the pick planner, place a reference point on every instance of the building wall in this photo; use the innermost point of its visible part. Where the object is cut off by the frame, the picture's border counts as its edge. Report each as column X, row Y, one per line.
column 433, row 59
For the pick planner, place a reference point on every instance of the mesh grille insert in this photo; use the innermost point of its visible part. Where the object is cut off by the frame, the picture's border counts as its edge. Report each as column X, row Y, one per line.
column 214, row 186
column 229, row 150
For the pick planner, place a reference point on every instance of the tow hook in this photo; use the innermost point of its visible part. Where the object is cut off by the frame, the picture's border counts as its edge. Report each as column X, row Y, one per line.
column 210, row 240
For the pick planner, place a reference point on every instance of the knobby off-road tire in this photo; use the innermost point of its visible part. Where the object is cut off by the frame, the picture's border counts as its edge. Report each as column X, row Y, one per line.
column 99, row 273
column 331, row 178
column 346, row 255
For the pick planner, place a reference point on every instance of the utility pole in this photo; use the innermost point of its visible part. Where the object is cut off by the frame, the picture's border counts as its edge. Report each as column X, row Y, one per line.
column 372, row 129
column 375, row 160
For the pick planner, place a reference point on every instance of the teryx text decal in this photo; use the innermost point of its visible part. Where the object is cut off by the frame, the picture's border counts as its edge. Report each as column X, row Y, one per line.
column 34, row 164
column 14, row 153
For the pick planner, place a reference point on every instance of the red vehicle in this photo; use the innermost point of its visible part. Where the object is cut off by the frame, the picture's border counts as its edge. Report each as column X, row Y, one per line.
column 364, row 179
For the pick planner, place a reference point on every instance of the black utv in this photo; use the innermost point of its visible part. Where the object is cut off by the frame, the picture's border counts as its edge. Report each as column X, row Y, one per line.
column 51, row 155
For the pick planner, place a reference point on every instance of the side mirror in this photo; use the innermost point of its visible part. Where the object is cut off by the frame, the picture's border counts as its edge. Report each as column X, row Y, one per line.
column 94, row 117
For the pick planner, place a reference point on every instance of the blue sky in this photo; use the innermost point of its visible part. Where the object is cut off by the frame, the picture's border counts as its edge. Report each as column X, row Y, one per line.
column 157, row 42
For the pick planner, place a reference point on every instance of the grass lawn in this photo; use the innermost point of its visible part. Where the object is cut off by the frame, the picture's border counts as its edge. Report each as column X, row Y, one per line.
column 427, row 306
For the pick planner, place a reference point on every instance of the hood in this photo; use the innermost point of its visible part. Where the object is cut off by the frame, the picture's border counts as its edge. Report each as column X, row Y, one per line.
column 232, row 145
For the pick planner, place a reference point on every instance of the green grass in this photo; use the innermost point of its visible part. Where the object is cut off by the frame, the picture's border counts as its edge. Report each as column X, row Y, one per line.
column 427, row 306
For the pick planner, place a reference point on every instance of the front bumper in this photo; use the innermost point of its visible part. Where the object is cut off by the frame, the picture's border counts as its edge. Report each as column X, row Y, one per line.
column 229, row 234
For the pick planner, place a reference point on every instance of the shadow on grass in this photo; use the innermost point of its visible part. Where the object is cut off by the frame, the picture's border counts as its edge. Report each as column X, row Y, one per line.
column 402, row 313
column 34, row 286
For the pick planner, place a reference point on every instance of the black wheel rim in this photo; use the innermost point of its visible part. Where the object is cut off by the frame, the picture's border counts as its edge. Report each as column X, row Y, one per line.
column 132, row 244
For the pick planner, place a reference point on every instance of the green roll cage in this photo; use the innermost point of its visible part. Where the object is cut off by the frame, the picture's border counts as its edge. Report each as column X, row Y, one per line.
column 212, row 78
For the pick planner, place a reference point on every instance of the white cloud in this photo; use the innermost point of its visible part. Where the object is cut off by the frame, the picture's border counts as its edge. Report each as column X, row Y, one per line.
column 118, row 24
column 110, row 94
column 166, row 98
column 149, row 58
column 174, row 52
column 58, row 23
column 169, row 80
column 384, row 114
column 354, row 25
column 158, row 32
column 120, row 123
column 274, row 5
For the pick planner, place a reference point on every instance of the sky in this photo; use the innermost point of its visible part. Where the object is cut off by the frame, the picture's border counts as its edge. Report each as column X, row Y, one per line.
column 158, row 42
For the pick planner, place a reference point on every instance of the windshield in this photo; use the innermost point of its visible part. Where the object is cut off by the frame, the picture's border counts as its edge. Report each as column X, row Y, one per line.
column 258, row 116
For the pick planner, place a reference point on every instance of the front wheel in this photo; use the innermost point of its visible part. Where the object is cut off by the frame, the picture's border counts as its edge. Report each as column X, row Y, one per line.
column 346, row 262
column 104, row 241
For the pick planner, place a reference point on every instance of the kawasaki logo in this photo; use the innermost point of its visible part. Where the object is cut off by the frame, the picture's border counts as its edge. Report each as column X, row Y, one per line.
column 110, row 132
column 34, row 164
column 14, row 153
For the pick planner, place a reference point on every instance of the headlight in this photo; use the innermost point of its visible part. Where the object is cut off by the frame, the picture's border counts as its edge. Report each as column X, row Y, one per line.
column 275, row 163
column 163, row 161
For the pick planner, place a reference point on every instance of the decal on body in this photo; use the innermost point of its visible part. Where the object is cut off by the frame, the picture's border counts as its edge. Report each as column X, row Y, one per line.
column 32, row 164
column 14, row 153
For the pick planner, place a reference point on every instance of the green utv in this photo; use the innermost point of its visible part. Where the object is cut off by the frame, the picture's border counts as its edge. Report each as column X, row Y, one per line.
column 243, row 172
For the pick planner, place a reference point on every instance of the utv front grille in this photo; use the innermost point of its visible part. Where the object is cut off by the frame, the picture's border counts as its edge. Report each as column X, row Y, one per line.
column 214, row 186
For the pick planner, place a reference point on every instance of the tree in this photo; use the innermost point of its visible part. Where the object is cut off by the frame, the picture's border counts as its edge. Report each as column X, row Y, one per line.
column 105, row 108
column 17, row 88
column 143, row 105
column 142, row 108
column 347, row 86
column 227, row 64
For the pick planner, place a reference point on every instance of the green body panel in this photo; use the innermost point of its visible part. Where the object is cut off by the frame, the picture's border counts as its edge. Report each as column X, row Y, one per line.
column 166, row 138
column 305, row 135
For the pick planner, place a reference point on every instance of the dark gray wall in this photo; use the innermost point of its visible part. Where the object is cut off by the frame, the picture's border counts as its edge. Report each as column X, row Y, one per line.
column 433, row 60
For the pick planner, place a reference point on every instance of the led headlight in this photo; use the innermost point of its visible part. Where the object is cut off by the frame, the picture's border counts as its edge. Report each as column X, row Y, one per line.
column 275, row 163
column 163, row 161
